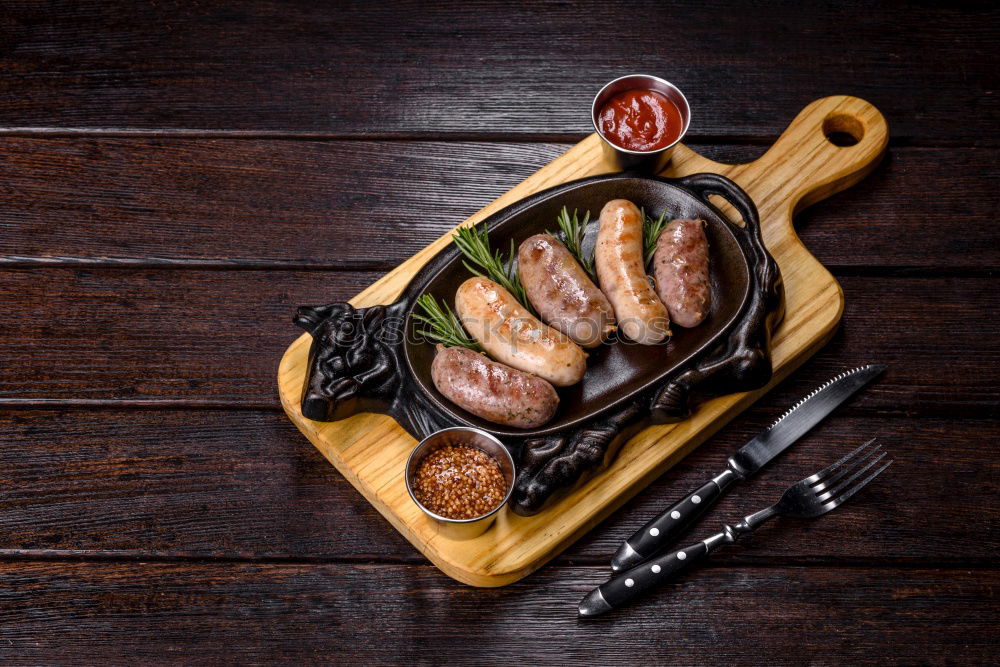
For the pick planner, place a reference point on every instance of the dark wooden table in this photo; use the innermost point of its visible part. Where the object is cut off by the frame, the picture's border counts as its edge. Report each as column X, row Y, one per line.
column 178, row 176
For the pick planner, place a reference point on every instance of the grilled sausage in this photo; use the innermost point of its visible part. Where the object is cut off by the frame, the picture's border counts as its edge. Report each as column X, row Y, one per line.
column 680, row 265
column 562, row 292
column 622, row 274
column 512, row 335
column 496, row 392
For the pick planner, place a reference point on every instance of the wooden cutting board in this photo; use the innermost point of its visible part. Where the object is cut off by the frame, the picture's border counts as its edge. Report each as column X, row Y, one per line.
column 802, row 167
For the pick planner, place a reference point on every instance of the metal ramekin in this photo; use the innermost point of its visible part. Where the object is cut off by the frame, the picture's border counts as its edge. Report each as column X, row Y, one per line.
column 649, row 162
column 461, row 529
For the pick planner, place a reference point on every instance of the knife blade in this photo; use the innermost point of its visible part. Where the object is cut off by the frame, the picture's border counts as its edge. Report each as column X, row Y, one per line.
column 754, row 455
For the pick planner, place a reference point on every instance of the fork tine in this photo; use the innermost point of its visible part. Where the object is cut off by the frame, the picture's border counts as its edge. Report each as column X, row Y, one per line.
column 846, row 469
column 822, row 497
column 857, row 487
column 812, row 479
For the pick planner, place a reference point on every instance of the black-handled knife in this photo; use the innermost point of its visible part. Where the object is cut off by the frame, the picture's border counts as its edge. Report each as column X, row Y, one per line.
column 761, row 450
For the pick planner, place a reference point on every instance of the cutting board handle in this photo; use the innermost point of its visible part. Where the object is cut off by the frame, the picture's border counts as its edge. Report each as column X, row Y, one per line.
column 805, row 166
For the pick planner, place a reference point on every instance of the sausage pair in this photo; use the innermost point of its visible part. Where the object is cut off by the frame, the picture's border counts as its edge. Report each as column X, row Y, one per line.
column 532, row 357
column 680, row 266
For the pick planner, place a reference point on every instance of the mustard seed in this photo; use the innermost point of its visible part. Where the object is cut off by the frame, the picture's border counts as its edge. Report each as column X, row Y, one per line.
column 459, row 482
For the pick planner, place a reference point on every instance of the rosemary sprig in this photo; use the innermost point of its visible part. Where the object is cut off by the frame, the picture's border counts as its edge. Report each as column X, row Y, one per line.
column 445, row 326
column 573, row 233
column 476, row 248
column 651, row 230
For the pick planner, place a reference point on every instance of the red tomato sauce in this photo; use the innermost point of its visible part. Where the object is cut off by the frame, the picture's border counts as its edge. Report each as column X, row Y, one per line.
column 640, row 120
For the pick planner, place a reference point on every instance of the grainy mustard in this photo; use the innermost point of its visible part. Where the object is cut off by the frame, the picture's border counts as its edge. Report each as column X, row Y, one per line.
column 459, row 482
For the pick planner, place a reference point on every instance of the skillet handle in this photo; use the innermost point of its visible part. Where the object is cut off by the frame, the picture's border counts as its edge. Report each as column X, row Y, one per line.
column 703, row 185
column 355, row 365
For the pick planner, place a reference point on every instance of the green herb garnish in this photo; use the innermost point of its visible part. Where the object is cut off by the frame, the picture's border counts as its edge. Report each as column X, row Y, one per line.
column 445, row 327
column 476, row 248
column 651, row 230
column 573, row 232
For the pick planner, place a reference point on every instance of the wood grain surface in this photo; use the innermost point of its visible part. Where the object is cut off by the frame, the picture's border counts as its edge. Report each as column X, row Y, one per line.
column 486, row 69
column 193, row 202
column 239, row 612
column 155, row 504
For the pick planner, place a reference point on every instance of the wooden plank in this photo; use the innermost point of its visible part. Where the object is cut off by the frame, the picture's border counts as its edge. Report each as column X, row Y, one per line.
column 153, row 334
column 210, row 337
column 487, row 68
column 802, row 167
column 245, row 486
column 189, row 202
column 358, row 614
column 194, row 201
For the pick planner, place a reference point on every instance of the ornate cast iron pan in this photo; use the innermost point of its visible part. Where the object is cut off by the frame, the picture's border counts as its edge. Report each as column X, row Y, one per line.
column 372, row 360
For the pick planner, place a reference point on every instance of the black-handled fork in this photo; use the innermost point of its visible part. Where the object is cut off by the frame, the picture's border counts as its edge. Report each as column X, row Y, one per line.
column 813, row 496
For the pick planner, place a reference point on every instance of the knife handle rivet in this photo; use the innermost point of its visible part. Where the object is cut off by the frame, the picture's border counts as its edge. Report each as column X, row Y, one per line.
column 680, row 556
column 630, row 583
column 675, row 515
column 654, row 531
column 655, row 569
column 696, row 499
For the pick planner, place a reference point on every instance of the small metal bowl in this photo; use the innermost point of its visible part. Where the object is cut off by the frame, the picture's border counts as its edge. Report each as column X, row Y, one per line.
column 648, row 162
column 461, row 529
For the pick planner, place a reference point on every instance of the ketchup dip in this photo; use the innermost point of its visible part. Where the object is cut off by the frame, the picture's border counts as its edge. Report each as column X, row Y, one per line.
column 640, row 120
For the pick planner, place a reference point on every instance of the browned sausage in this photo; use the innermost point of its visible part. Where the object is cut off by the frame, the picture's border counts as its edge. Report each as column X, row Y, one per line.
column 562, row 292
column 512, row 335
column 680, row 265
column 494, row 391
column 621, row 270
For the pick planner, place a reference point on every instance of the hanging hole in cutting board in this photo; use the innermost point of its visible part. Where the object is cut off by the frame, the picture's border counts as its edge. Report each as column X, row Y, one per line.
column 843, row 130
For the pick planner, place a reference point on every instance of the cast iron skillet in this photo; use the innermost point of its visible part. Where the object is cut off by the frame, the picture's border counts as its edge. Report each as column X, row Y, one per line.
column 616, row 372
column 372, row 360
